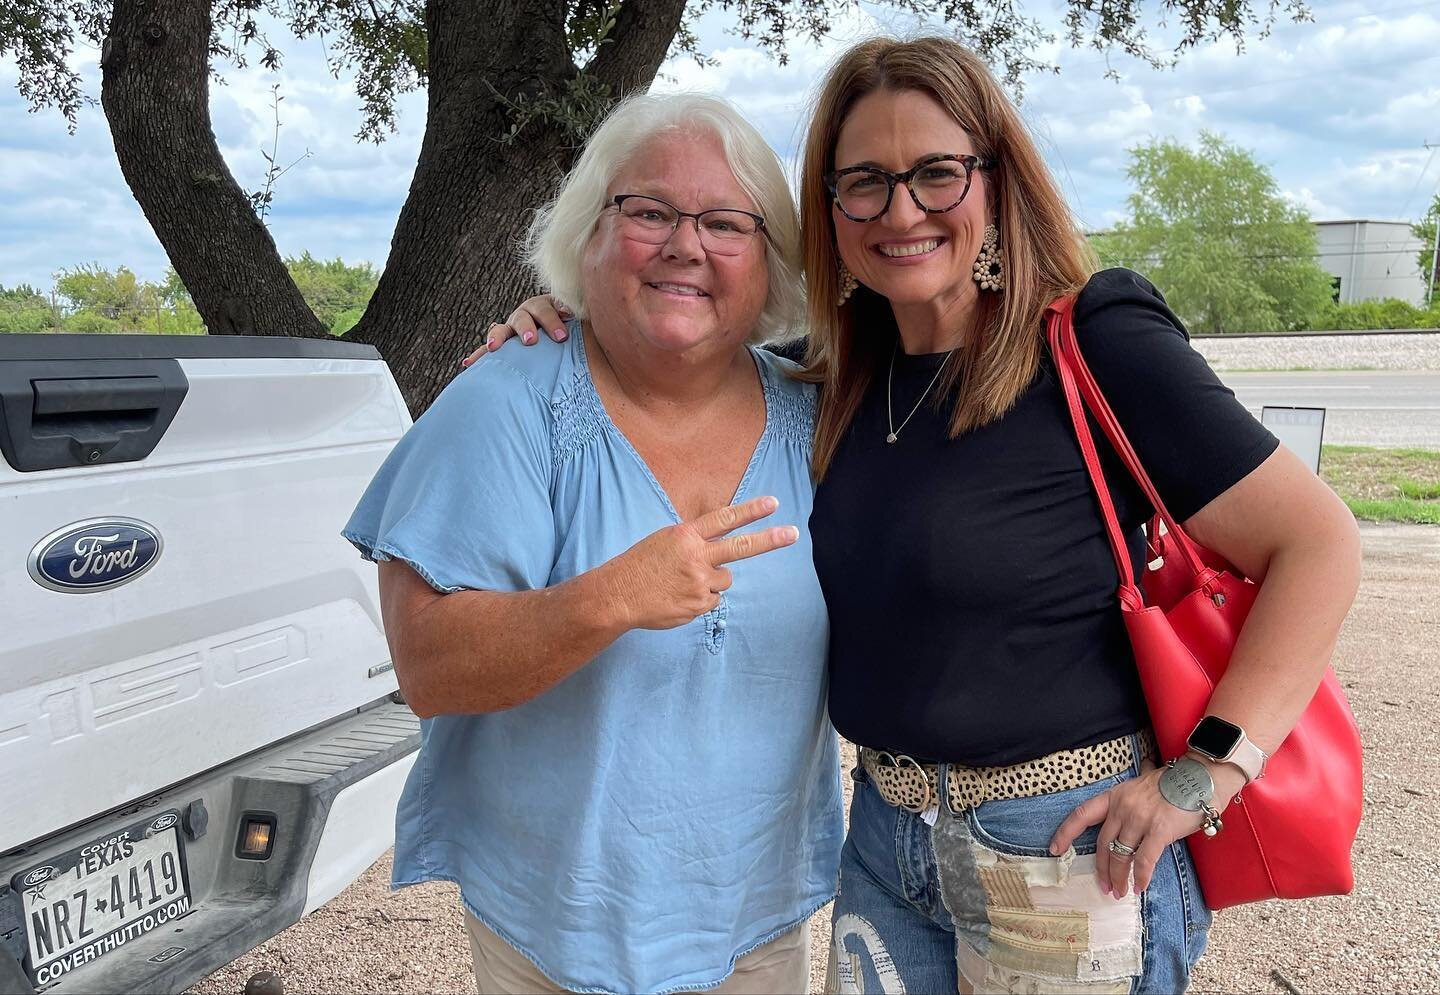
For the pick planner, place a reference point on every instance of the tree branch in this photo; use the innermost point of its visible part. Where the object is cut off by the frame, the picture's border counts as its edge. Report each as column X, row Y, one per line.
column 644, row 30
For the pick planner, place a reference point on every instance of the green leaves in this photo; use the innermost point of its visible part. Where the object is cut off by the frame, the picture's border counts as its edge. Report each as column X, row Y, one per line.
column 1424, row 230
column 336, row 291
column 90, row 286
column 589, row 25
column 1377, row 314
column 95, row 299
column 40, row 36
column 91, row 298
column 1209, row 226
column 575, row 106
column 24, row 309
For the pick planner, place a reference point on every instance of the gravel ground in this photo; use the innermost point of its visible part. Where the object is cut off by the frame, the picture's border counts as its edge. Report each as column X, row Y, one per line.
column 1324, row 352
column 1383, row 938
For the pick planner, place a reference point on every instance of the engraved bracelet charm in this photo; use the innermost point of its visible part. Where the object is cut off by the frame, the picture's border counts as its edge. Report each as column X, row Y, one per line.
column 1186, row 784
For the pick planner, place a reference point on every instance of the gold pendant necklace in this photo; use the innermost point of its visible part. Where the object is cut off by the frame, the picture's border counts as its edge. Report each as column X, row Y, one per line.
column 889, row 379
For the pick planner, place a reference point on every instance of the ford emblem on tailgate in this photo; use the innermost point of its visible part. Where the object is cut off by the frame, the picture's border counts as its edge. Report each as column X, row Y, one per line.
column 94, row 555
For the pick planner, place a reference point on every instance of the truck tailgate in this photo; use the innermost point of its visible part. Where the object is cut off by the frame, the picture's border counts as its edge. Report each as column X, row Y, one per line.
column 255, row 622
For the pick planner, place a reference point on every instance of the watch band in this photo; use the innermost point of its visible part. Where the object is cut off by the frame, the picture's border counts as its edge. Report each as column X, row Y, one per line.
column 1249, row 758
column 1242, row 752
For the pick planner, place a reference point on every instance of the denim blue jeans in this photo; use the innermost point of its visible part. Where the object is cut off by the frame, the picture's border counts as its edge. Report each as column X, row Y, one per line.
column 977, row 904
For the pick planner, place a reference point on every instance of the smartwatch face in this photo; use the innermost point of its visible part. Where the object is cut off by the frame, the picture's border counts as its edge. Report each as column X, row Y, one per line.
column 1215, row 737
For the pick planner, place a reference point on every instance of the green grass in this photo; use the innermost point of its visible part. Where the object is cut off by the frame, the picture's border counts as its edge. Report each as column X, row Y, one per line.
column 1421, row 455
column 1417, row 490
column 1398, row 510
column 1385, row 485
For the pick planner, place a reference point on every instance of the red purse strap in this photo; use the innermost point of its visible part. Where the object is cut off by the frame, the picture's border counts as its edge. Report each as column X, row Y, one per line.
column 1081, row 392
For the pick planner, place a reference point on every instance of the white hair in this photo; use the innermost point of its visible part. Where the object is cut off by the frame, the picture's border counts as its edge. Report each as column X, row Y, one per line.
column 556, row 242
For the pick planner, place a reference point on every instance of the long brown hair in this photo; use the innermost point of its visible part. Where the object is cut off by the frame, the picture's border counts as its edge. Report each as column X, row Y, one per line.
column 1043, row 252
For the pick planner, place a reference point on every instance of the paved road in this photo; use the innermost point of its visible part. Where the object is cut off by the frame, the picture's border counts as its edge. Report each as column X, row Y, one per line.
column 1362, row 408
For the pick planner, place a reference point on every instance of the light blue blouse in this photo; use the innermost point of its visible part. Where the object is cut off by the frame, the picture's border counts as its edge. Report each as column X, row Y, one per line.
column 675, row 802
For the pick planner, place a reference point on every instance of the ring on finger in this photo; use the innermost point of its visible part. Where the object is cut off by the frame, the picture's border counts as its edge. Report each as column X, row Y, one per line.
column 1121, row 849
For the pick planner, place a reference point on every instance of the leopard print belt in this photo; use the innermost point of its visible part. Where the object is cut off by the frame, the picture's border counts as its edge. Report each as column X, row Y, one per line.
column 906, row 783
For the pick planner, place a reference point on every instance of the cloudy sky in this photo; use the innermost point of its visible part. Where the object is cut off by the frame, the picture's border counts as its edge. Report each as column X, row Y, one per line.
column 1339, row 109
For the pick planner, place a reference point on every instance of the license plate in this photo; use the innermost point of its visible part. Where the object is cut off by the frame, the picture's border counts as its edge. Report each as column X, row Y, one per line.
column 92, row 900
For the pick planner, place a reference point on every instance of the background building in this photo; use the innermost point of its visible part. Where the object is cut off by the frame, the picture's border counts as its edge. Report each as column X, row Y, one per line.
column 1370, row 260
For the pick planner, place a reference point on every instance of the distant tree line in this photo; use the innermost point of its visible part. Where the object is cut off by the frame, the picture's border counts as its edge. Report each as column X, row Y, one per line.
column 91, row 298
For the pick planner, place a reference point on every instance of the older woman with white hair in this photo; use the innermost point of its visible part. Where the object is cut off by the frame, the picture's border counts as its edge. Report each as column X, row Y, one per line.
column 626, row 764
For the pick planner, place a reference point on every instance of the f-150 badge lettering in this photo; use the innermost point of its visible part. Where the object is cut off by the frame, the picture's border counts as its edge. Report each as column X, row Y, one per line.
column 94, row 555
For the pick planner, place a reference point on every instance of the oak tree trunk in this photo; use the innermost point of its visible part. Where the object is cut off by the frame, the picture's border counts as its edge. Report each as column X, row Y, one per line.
column 156, row 95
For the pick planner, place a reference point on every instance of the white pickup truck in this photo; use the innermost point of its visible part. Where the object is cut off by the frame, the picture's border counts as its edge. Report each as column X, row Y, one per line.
column 200, row 736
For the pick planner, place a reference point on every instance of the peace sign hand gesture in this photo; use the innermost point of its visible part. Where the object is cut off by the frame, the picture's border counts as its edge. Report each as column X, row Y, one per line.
column 676, row 574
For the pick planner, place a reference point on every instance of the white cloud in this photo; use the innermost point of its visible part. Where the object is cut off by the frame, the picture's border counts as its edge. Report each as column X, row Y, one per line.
column 1192, row 106
column 1313, row 205
column 1117, row 127
column 1402, row 180
column 1398, row 115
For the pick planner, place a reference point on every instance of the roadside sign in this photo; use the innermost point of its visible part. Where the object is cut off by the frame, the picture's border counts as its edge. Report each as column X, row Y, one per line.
column 1301, row 430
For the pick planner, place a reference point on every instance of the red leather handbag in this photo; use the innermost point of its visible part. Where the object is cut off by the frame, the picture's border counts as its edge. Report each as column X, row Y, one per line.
column 1288, row 834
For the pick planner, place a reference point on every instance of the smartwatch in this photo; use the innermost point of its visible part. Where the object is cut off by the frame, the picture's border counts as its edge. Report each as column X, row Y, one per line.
column 1226, row 743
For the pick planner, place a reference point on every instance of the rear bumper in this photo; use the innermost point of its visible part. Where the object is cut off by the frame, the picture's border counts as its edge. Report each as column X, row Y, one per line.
column 332, row 792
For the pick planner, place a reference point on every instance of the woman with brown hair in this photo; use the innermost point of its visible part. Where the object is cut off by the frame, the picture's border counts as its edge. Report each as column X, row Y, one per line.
column 1008, row 830
column 982, row 666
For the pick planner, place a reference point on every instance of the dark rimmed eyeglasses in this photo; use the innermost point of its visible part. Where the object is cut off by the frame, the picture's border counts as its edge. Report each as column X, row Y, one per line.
column 937, row 184
column 724, row 230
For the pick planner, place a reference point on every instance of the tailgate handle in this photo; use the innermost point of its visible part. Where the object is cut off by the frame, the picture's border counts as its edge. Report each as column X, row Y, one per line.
column 95, row 394
column 67, row 413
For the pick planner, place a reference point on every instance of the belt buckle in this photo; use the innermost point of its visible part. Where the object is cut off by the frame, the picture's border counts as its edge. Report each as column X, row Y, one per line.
column 971, row 788
column 924, row 779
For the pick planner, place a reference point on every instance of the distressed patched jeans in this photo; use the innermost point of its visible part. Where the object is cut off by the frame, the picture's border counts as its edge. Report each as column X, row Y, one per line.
column 977, row 904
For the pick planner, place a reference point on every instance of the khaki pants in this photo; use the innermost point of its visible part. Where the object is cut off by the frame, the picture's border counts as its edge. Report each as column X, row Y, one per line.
column 780, row 966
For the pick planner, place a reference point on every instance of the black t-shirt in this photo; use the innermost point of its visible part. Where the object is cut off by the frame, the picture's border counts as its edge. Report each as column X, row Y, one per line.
column 971, row 589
